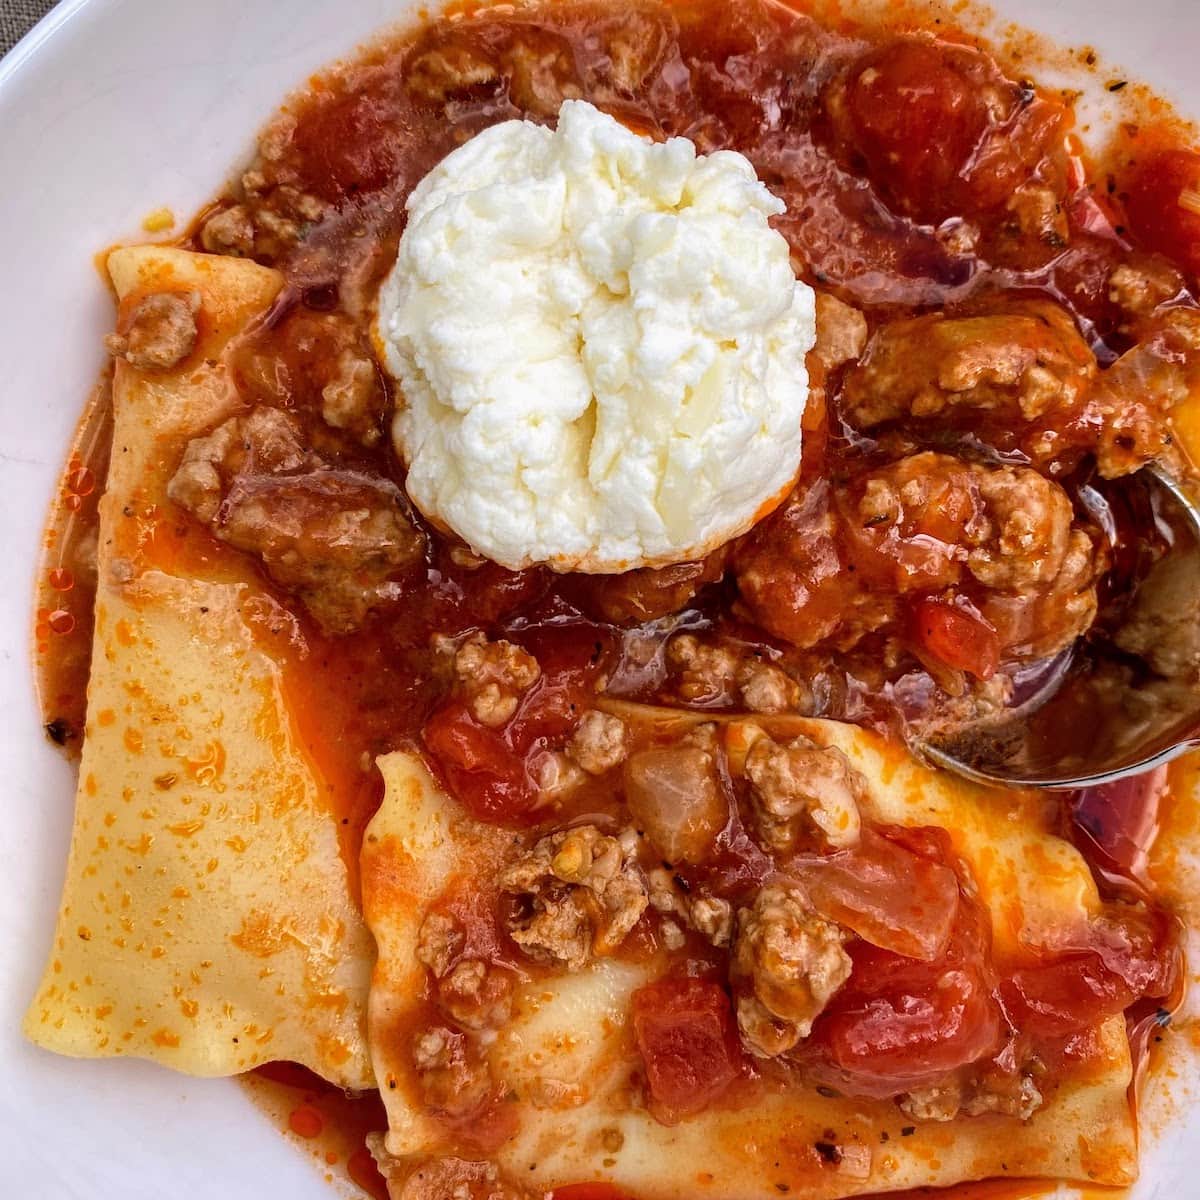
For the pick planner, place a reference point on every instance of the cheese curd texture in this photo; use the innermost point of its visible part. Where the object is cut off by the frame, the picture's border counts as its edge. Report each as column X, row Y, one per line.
column 600, row 344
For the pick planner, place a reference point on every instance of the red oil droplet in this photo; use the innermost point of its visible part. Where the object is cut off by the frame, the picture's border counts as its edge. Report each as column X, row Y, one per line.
column 306, row 1122
column 61, row 579
column 81, row 481
column 74, row 503
column 61, row 621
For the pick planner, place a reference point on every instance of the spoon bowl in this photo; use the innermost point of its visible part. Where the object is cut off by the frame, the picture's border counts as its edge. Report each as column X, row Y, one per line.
column 1122, row 702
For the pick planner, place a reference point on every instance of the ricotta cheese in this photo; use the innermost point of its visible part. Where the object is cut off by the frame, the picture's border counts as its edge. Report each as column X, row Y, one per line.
column 600, row 346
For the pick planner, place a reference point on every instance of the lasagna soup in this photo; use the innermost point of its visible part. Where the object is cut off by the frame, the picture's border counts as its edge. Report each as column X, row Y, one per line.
column 525, row 524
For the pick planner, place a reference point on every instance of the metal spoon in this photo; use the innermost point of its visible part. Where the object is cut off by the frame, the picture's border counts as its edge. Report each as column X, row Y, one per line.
column 1121, row 702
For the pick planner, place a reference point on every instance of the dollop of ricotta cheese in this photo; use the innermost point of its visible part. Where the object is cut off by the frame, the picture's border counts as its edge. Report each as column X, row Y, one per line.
column 600, row 346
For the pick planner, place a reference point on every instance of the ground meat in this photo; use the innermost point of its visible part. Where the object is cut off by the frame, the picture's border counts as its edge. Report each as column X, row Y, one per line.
column 651, row 592
column 1009, row 1095
column 709, row 916
column 493, row 676
column 768, row 689
column 159, row 333
column 1036, row 623
column 1012, row 377
column 354, row 398
column 541, row 73
column 338, row 539
column 476, row 994
column 1029, row 530
column 838, row 562
column 440, row 942
column 453, row 68
column 841, row 331
column 600, row 742
column 448, row 1179
column 580, row 893
column 712, row 917
column 794, row 582
column 1163, row 626
column 704, row 674
column 1039, row 214
column 787, row 963
column 453, row 1074
column 229, row 231
column 801, row 790
column 554, row 773
column 980, row 702
column 535, row 66
column 633, row 45
column 1137, row 287
column 720, row 676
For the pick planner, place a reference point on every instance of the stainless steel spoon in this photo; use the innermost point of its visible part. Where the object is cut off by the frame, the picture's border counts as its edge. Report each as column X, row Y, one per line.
column 1120, row 703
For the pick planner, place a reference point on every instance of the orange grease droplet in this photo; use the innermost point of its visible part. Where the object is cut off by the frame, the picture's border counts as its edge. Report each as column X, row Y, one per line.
column 306, row 1122
column 82, row 481
column 74, row 503
column 61, row 621
column 61, row 579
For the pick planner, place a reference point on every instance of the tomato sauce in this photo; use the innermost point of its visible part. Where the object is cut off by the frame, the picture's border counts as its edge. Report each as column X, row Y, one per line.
column 969, row 191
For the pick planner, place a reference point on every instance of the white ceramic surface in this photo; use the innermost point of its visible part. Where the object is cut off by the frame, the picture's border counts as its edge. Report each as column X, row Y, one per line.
column 109, row 109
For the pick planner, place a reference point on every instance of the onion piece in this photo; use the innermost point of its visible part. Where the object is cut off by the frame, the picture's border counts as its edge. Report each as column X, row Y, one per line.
column 677, row 800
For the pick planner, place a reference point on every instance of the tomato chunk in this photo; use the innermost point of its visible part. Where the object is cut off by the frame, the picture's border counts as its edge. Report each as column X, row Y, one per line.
column 900, row 1023
column 480, row 768
column 685, row 1031
column 1120, row 961
column 957, row 637
column 897, row 897
column 1164, row 205
column 488, row 770
column 915, row 117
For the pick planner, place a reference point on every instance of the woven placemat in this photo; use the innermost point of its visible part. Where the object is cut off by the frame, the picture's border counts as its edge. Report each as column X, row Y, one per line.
column 18, row 17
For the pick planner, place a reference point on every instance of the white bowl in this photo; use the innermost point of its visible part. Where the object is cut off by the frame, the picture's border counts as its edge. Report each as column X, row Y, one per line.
column 112, row 108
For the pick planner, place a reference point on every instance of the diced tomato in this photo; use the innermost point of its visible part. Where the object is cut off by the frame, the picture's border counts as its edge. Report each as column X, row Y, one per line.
column 956, row 636
column 481, row 770
column 550, row 711
column 898, row 898
column 1164, row 205
column 915, row 118
column 685, row 1032
column 572, row 654
column 488, row 769
column 1119, row 962
column 899, row 1023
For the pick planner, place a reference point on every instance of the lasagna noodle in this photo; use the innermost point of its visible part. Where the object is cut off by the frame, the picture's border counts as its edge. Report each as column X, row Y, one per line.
column 207, row 920
column 573, row 1030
